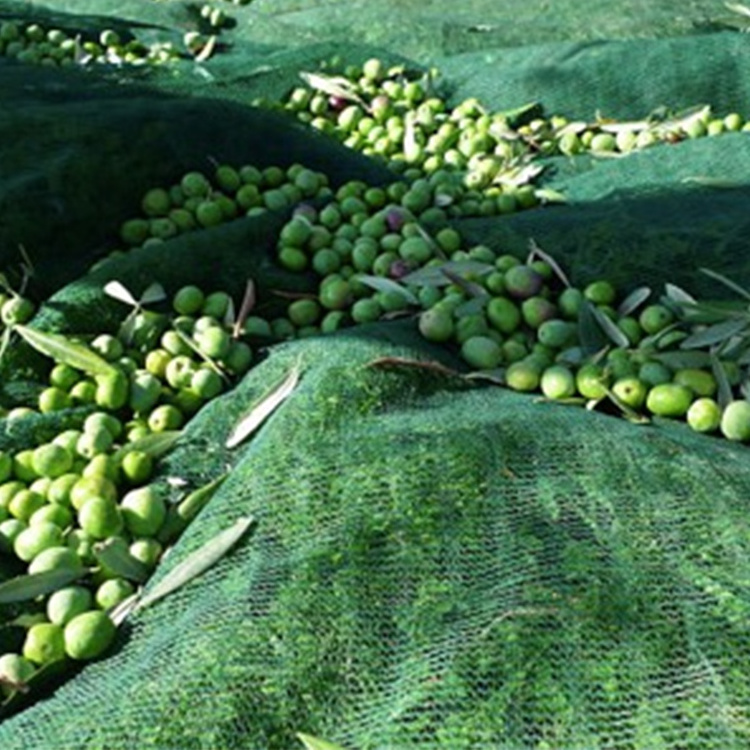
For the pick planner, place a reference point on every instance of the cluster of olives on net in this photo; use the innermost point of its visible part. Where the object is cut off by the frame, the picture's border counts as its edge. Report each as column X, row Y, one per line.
column 32, row 43
column 397, row 115
column 198, row 201
column 86, row 503
column 516, row 321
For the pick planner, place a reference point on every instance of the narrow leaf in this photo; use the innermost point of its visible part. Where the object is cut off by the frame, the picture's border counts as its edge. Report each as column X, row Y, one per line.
column 118, row 291
column 547, row 195
column 62, row 349
column 743, row 10
column 724, row 389
column 120, row 613
column 715, row 334
column 425, row 235
column 119, row 560
column 206, row 50
column 382, row 284
column 420, row 364
column 678, row 360
column 25, row 587
column 590, row 333
column 537, row 252
column 263, row 409
column 470, row 287
column 198, row 499
column 435, row 275
column 246, row 307
column 157, row 445
column 678, row 295
column 471, row 307
column 153, row 294
column 337, row 86
column 727, row 282
column 198, row 562
column 314, row 743
column 612, row 332
column 633, row 301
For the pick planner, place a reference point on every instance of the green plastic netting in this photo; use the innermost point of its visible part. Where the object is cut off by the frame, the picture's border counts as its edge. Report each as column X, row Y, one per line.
column 433, row 565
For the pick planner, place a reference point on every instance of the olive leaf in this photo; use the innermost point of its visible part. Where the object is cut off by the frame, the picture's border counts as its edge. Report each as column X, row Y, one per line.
column 724, row 390
column 382, row 284
column 157, row 444
column 726, row 282
column 412, row 149
column 435, row 275
column 537, row 252
column 677, row 294
column 548, row 195
column 470, row 287
column 246, row 307
column 262, row 409
column 118, row 559
column 591, row 317
column 180, row 515
column 29, row 586
column 633, row 301
column 62, row 349
column 314, row 743
column 716, row 334
column 678, row 360
column 197, row 562
column 337, row 86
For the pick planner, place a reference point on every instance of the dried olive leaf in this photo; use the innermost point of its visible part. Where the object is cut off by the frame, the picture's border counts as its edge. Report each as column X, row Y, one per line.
column 198, row 562
column 121, row 612
column 337, row 86
column 314, row 743
column 29, row 586
column 262, row 409
column 118, row 291
column 119, row 560
column 537, row 252
column 633, row 301
column 246, row 307
column 62, row 349
column 382, row 284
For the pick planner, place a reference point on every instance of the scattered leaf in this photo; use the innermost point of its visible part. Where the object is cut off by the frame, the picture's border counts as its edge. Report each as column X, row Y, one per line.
column 633, row 301
column 30, row 586
column 153, row 294
column 118, row 291
column 679, row 360
column 198, row 562
column 470, row 287
column 727, row 282
column 121, row 612
column 246, row 307
column 678, row 295
column 421, row 364
column 157, row 445
column 724, row 389
column 382, row 284
column 537, row 252
column 207, row 49
column 613, row 333
column 62, row 349
column 337, row 86
column 435, row 275
column 314, row 743
column 715, row 334
column 263, row 409
column 118, row 559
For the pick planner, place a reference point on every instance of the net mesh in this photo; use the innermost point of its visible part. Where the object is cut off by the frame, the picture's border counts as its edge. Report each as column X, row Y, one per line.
column 433, row 565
